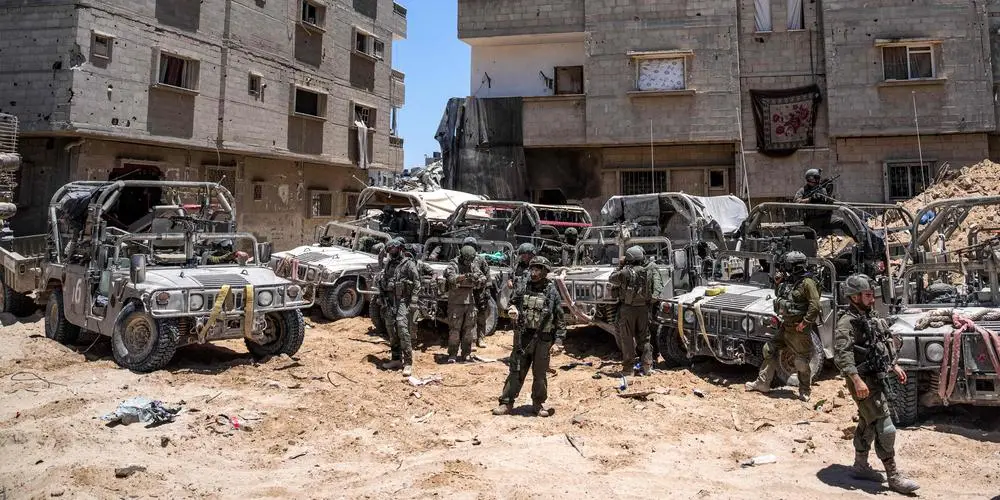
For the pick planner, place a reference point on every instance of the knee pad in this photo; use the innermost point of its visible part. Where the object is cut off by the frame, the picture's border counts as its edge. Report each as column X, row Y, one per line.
column 769, row 351
column 885, row 432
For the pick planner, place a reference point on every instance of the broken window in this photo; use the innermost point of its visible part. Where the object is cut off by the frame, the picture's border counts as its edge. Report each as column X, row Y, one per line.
column 310, row 103
column 796, row 17
column 378, row 49
column 313, row 13
column 364, row 114
column 643, row 182
column 717, row 179
column 661, row 74
column 368, row 44
column 101, row 46
column 762, row 15
column 178, row 72
column 904, row 180
column 320, row 203
column 908, row 62
column 569, row 80
column 253, row 85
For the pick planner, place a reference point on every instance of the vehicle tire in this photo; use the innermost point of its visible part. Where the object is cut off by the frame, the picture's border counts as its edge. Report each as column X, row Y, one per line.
column 57, row 327
column 671, row 348
column 144, row 344
column 287, row 328
column 786, row 373
column 15, row 303
column 492, row 316
column 906, row 407
column 341, row 301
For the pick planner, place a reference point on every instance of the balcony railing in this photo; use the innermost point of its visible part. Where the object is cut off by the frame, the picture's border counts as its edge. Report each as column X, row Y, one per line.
column 399, row 75
column 399, row 10
column 396, row 142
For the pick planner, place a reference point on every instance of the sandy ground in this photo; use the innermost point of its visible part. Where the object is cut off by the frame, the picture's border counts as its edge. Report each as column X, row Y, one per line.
column 336, row 426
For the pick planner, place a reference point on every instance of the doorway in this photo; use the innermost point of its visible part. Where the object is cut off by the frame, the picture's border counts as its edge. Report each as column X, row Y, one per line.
column 135, row 202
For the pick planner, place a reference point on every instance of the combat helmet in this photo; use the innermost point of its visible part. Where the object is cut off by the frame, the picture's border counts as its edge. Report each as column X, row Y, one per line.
column 795, row 262
column 541, row 262
column 855, row 284
column 526, row 248
column 813, row 174
column 635, row 254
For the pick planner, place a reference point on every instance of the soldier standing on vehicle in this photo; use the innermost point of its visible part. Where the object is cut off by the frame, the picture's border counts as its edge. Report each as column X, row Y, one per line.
column 569, row 247
column 482, row 295
column 536, row 309
column 525, row 253
column 222, row 252
column 463, row 279
column 864, row 354
column 638, row 284
column 812, row 192
column 399, row 287
column 797, row 303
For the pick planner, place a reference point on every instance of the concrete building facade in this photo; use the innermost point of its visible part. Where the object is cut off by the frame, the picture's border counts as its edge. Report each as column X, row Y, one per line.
column 267, row 97
column 653, row 96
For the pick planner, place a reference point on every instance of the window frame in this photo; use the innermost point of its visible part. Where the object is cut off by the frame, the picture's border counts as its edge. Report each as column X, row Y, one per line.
column 555, row 74
column 911, row 166
column 637, row 57
column 313, row 193
column 350, row 201
column 322, row 103
column 257, row 90
column 372, row 115
column 320, row 20
column 257, row 192
column 110, row 41
column 369, row 44
column 191, row 74
column 921, row 48
column 644, row 172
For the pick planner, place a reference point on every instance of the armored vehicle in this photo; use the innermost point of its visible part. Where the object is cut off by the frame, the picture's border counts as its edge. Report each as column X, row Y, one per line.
column 949, row 309
column 178, row 275
column 730, row 320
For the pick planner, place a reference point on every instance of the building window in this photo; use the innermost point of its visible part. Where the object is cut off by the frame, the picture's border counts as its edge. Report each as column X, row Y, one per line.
column 378, row 49
column 908, row 62
column 100, row 46
column 223, row 175
column 364, row 114
column 258, row 191
column 762, row 15
column 661, row 74
column 368, row 44
column 716, row 179
column 906, row 179
column 254, row 85
column 320, row 203
column 796, row 16
column 309, row 103
column 176, row 71
column 313, row 13
column 643, row 182
column 351, row 204
column 569, row 80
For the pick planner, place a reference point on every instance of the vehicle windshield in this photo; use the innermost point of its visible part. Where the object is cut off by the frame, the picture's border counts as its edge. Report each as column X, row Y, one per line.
column 496, row 253
column 189, row 249
column 351, row 237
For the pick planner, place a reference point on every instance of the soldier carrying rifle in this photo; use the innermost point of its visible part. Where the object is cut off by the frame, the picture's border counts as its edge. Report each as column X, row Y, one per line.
column 865, row 355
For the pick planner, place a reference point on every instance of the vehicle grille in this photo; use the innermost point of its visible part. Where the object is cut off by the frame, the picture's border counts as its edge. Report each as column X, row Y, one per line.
column 218, row 280
column 731, row 301
column 729, row 322
column 312, row 257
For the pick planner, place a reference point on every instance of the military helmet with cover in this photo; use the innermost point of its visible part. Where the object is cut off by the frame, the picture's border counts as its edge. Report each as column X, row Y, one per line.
column 813, row 174
column 635, row 254
column 795, row 261
column 395, row 244
column 526, row 248
column 572, row 231
column 467, row 254
column 541, row 262
column 856, row 284
column 469, row 240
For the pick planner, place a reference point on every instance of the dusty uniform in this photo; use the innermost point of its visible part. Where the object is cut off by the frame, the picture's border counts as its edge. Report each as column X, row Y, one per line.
column 399, row 286
column 816, row 195
column 540, row 322
column 463, row 280
column 482, row 296
column 797, row 301
column 639, row 285
column 851, row 354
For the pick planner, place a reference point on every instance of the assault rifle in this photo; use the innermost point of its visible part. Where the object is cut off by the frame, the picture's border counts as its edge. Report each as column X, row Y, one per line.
column 879, row 357
column 823, row 184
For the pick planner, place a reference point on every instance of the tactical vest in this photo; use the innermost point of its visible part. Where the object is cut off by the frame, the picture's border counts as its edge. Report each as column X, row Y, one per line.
column 635, row 286
column 785, row 304
column 533, row 306
column 392, row 281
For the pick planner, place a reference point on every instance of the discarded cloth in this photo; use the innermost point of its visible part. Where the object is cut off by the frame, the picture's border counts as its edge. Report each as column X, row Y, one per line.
column 141, row 409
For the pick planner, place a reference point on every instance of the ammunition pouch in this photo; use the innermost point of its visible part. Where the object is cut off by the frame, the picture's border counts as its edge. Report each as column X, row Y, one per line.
column 533, row 312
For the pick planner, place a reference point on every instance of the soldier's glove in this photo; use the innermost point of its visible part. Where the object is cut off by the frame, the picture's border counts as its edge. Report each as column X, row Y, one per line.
column 512, row 312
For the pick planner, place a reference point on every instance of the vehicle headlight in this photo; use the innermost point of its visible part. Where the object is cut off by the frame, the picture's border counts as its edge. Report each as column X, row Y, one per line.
column 597, row 291
column 196, row 302
column 934, row 352
column 293, row 291
column 747, row 324
column 162, row 298
column 689, row 316
column 265, row 298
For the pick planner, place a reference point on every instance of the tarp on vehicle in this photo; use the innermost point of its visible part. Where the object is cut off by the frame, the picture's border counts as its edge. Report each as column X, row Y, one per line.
column 728, row 211
column 432, row 205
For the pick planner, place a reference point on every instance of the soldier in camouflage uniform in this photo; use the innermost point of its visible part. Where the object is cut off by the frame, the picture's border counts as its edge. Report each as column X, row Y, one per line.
column 864, row 354
column 537, row 311
column 463, row 279
column 482, row 295
column 222, row 252
column 399, row 287
column 639, row 284
column 570, row 237
column 525, row 253
column 797, row 303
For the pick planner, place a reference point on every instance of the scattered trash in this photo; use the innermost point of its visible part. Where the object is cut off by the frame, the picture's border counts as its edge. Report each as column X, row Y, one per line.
column 761, row 460
column 762, row 425
column 644, row 395
column 141, row 409
column 286, row 366
column 802, row 422
column 415, row 394
column 476, row 441
column 298, row 454
column 476, row 357
column 164, row 441
column 576, row 443
column 237, row 422
column 819, row 405
column 595, row 376
column 17, row 415
column 737, row 424
column 700, row 393
column 575, row 364
column 623, row 386
column 124, row 472
column 274, row 384
column 40, row 461
column 417, row 382
column 801, row 440
column 345, row 377
column 423, row 418
column 57, row 493
column 578, row 421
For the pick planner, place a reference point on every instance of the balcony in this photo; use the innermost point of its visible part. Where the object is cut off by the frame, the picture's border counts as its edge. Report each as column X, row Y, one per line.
column 397, row 90
column 398, row 23
column 396, row 142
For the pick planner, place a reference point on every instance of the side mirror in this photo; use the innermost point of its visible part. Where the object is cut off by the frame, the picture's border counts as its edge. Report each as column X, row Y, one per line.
column 137, row 268
column 264, row 253
column 104, row 288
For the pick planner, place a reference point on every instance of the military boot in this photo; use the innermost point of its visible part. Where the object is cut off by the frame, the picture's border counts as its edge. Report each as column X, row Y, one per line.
column 757, row 386
column 862, row 470
column 804, row 395
column 503, row 409
column 540, row 410
column 407, row 370
column 393, row 365
column 898, row 481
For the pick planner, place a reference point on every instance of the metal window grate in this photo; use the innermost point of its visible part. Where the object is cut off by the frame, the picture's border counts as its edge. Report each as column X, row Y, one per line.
column 8, row 133
column 643, row 182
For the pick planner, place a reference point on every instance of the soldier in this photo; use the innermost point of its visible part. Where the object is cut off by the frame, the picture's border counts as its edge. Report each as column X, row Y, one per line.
column 399, row 287
column 569, row 247
column 864, row 354
column 526, row 252
column 462, row 279
column 812, row 192
column 639, row 284
column 797, row 303
column 482, row 295
column 537, row 311
column 222, row 252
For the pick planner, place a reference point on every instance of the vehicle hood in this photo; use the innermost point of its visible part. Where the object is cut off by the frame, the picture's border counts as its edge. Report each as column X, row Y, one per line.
column 210, row 278
column 333, row 258
column 589, row 273
column 734, row 297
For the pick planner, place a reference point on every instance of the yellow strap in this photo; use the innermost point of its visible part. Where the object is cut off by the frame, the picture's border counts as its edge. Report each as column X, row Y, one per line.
column 248, row 302
column 216, row 309
column 680, row 324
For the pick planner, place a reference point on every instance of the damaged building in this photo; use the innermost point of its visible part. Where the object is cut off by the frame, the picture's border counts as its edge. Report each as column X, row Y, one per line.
column 291, row 104
column 607, row 97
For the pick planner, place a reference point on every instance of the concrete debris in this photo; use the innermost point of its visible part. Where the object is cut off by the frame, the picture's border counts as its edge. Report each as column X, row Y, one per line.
column 124, row 472
column 760, row 460
column 417, row 382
